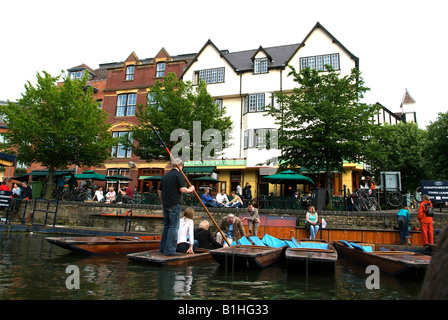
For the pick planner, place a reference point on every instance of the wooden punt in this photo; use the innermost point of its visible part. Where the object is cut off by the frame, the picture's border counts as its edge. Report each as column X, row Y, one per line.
column 155, row 257
column 107, row 245
column 310, row 255
column 388, row 260
column 247, row 256
column 251, row 254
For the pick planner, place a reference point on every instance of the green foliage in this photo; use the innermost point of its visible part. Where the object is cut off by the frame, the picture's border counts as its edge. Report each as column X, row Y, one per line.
column 399, row 148
column 176, row 105
column 57, row 126
column 435, row 150
column 322, row 123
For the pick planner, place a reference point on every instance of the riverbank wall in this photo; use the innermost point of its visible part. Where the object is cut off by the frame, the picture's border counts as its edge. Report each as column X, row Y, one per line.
column 149, row 218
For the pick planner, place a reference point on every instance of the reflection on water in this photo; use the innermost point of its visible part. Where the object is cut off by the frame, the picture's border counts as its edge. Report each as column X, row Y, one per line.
column 32, row 268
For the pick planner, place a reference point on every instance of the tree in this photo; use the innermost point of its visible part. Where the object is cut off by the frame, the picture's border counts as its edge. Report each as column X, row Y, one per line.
column 180, row 113
column 398, row 148
column 322, row 123
column 57, row 126
column 435, row 150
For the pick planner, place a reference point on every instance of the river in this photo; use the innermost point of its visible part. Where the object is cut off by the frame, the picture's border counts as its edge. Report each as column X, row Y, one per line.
column 33, row 269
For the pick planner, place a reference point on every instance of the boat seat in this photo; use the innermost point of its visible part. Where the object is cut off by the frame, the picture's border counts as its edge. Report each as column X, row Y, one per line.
column 271, row 241
column 257, row 241
column 244, row 241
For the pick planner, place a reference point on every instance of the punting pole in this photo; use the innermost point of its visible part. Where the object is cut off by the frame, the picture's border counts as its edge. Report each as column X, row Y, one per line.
column 189, row 184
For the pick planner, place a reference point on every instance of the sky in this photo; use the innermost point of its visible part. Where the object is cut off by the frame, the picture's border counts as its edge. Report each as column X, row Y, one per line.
column 400, row 44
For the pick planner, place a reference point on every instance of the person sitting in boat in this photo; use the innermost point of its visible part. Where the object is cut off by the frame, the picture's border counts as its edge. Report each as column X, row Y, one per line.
column 205, row 238
column 185, row 235
column 312, row 222
column 253, row 220
column 233, row 229
column 236, row 201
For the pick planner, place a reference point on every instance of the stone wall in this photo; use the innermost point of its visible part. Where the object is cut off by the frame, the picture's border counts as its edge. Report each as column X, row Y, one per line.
column 148, row 218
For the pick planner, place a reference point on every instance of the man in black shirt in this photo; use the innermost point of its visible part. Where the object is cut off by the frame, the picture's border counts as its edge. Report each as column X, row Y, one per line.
column 170, row 192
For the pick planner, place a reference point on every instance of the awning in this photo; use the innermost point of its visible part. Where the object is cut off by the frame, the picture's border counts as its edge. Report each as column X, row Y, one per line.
column 199, row 171
column 43, row 173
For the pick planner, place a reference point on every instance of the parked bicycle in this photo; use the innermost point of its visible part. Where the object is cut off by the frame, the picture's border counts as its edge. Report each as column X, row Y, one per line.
column 361, row 200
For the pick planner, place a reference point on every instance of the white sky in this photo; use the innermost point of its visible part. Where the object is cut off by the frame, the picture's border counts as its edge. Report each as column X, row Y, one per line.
column 400, row 44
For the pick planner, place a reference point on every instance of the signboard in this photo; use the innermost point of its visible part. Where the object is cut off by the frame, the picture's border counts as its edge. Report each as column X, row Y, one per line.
column 437, row 190
column 5, row 199
column 390, row 180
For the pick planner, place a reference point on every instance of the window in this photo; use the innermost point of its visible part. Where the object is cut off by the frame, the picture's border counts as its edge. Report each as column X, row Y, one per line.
column 210, row 76
column 256, row 138
column 160, row 69
column 254, row 103
column 319, row 62
column 218, row 103
column 120, row 151
column 100, row 104
column 76, row 75
column 118, row 184
column 130, row 72
column 126, row 104
column 261, row 65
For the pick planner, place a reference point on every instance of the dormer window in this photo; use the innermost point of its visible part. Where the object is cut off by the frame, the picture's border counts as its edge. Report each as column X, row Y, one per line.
column 160, row 69
column 261, row 65
column 76, row 75
column 130, row 72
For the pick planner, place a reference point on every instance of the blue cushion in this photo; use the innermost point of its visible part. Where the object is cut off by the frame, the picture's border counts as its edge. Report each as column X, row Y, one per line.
column 271, row 241
column 295, row 242
column 290, row 244
column 313, row 245
column 361, row 247
column 244, row 241
column 257, row 241
column 346, row 243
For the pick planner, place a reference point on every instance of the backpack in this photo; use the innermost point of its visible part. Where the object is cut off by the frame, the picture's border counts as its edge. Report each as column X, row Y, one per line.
column 429, row 210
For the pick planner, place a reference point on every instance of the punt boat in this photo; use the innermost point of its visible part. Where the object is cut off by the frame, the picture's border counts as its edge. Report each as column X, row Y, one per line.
column 250, row 253
column 107, row 245
column 310, row 255
column 156, row 257
column 388, row 260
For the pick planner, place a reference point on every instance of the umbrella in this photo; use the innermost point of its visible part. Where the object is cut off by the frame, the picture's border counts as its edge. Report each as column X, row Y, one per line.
column 89, row 175
column 288, row 176
column 118, row 177
column 207, row 179
column 151, row 178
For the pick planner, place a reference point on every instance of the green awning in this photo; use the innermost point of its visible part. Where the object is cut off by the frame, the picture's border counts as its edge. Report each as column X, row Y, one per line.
column 200, row 171
column 42, row 173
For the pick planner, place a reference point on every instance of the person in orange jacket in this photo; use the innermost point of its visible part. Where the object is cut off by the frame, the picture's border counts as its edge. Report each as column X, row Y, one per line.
column 426, row 221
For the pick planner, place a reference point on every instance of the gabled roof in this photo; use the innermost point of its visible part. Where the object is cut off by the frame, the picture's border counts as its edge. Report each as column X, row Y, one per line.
column 407, row 98
column 280, row 56
column 319, row 26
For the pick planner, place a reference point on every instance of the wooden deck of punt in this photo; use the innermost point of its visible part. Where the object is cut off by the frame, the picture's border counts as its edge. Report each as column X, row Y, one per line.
column 247, row 256
column 312, row 259
column 388, row 260
column 107, row 245
column 155, row 257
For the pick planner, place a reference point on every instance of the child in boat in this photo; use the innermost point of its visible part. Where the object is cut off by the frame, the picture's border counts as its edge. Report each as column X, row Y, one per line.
column 185, row 235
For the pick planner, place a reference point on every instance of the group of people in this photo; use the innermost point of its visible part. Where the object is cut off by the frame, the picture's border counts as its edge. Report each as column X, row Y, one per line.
column 111, row 196
column 221, row 200
column 19, row 190
column 178, row 233
column 424, row 216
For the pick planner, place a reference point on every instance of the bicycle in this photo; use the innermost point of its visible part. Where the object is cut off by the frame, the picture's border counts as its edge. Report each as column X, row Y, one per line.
column 394, row 198
column 365, row 201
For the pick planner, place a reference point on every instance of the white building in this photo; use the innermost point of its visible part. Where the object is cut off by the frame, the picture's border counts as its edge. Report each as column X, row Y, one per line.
column 244, row 81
